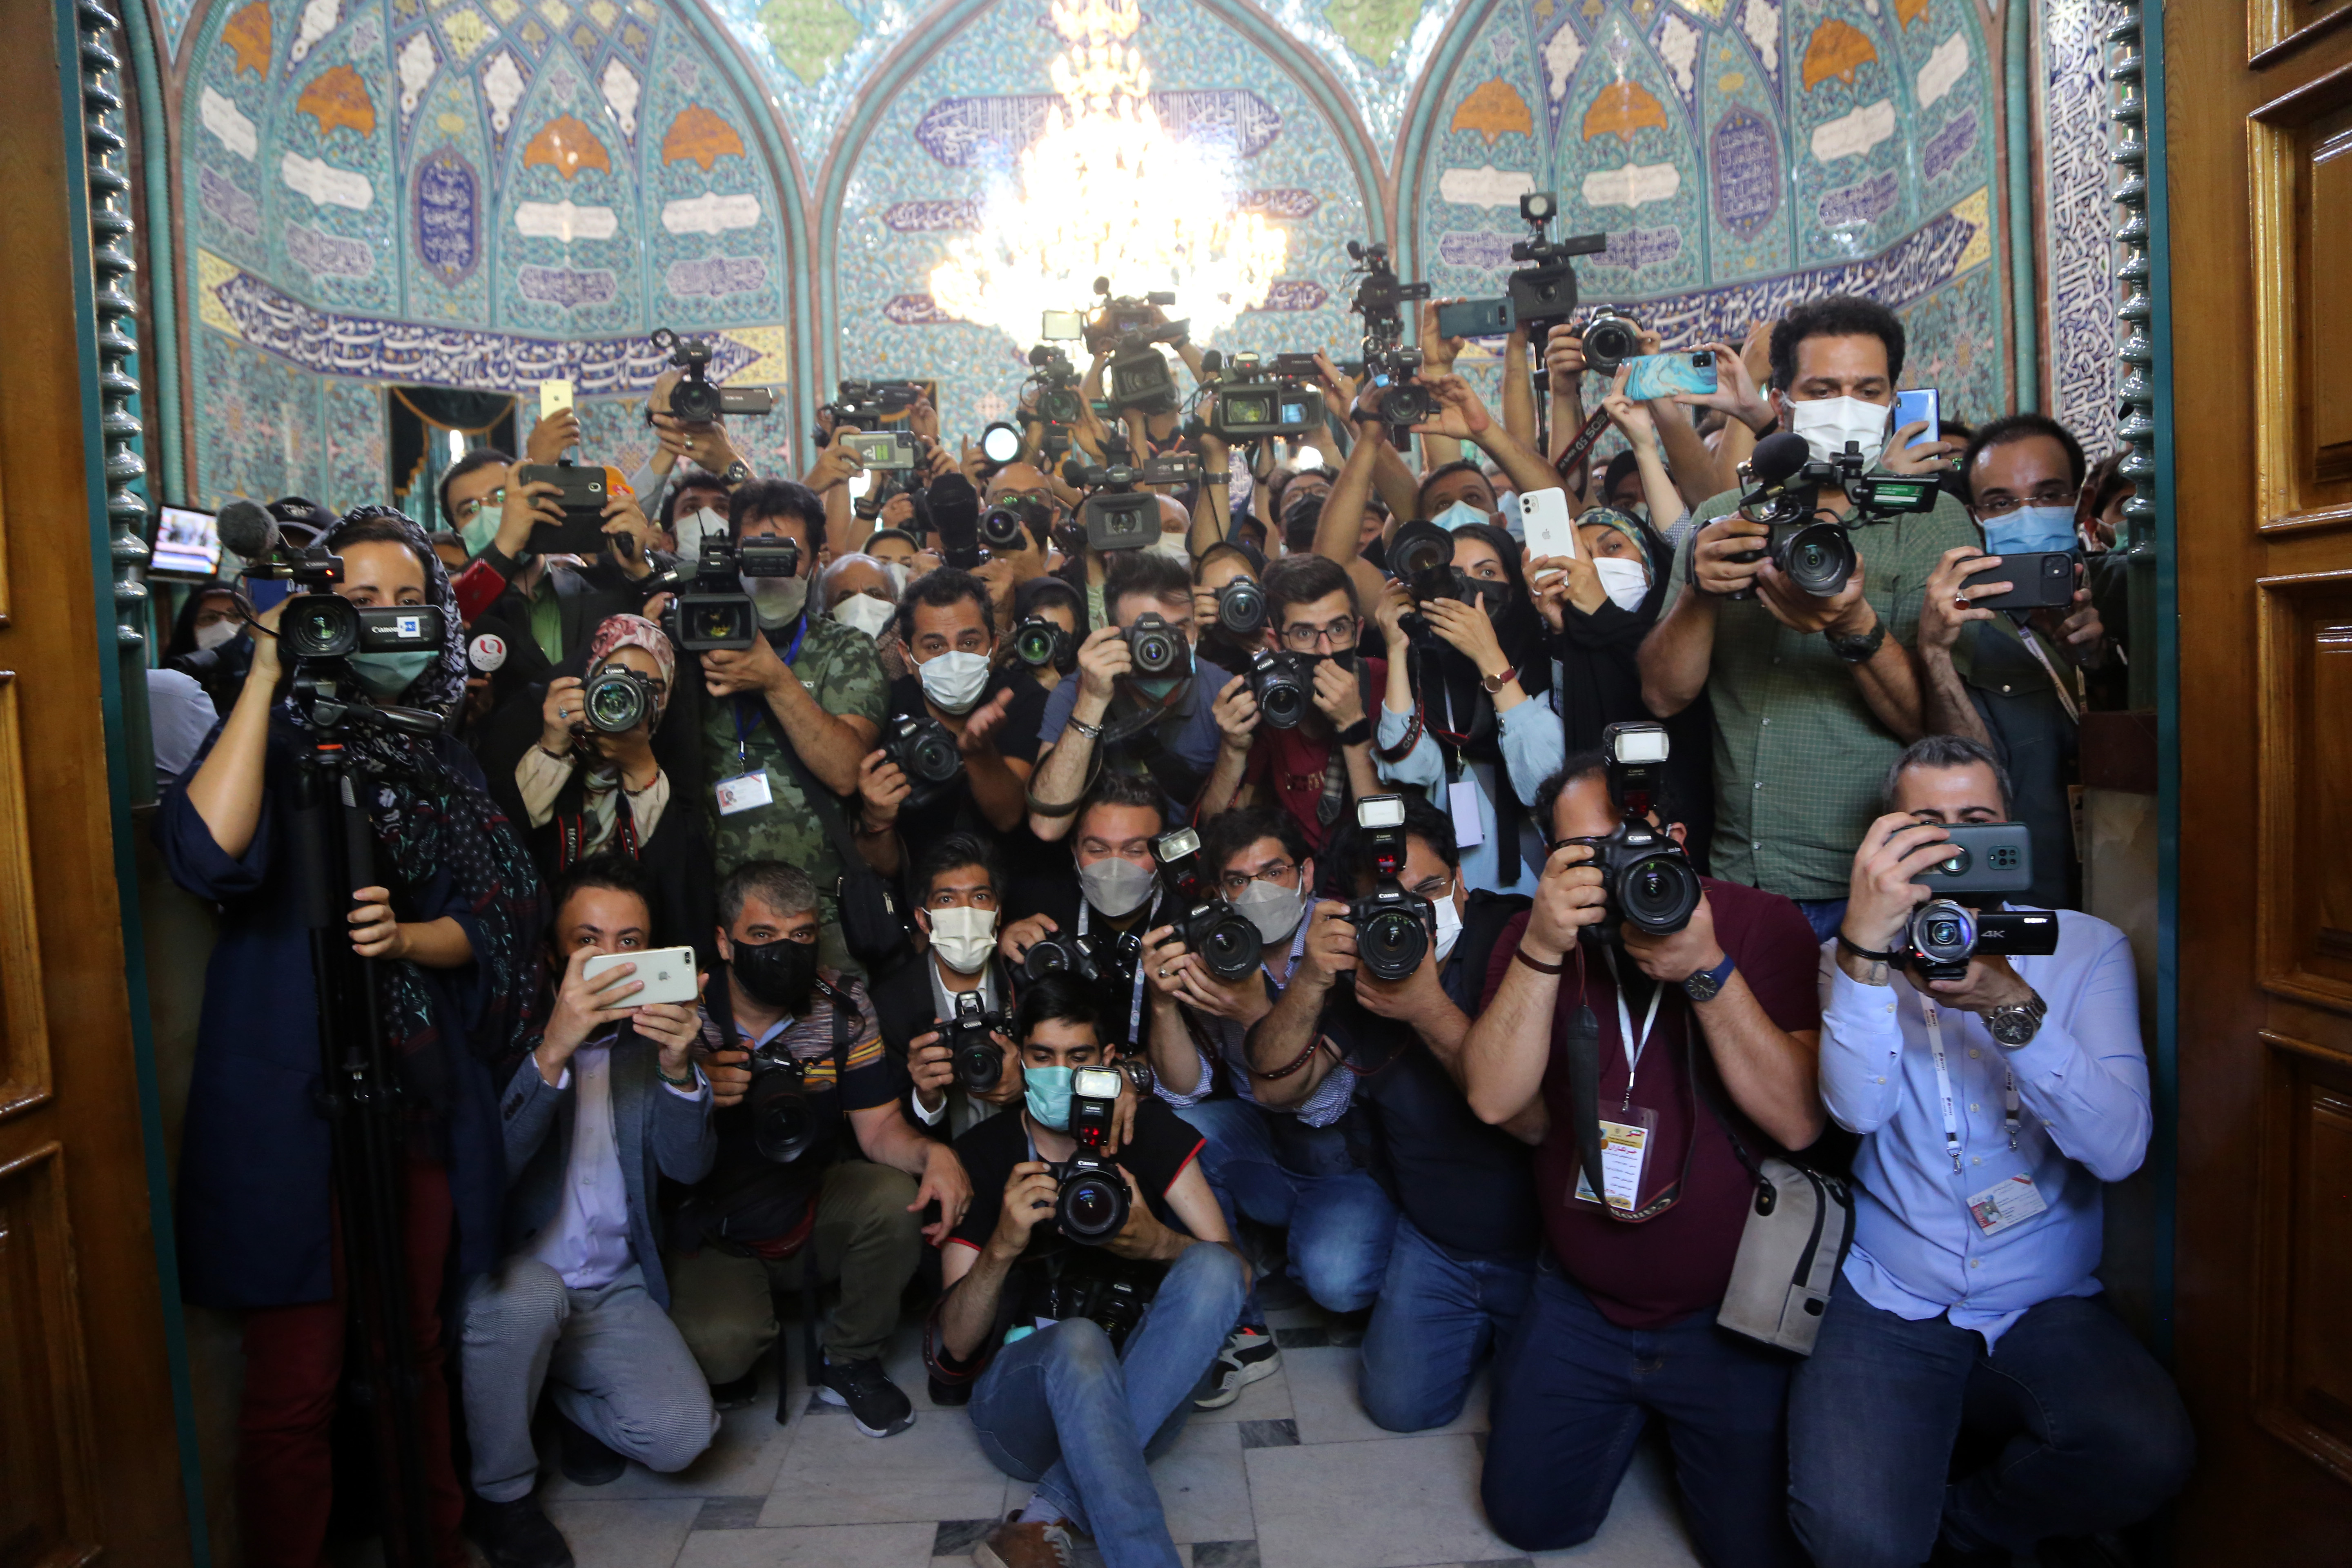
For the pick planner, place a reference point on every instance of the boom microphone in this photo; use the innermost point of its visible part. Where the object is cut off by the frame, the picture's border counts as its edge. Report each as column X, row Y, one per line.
column 248, row 531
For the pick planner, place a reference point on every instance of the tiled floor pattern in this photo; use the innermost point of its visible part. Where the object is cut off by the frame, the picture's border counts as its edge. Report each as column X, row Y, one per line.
column 1291, row 1476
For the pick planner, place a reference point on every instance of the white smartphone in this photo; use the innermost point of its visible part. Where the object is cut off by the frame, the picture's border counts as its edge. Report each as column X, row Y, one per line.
column 555, row 396
column 1543, row 519
column 666, row 973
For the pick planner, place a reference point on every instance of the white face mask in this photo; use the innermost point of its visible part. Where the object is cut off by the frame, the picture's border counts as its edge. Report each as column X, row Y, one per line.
column 693, row 528
column 1827, row 424
column 1174, row 547
column 963, row 938
column 1449, row 918
column 866, row 613
column 1275, row 910
column 1625, row 582
column 1115, row 886
column 1458, row 514
column 776, row 601
column 955, row 680
column 215, row 635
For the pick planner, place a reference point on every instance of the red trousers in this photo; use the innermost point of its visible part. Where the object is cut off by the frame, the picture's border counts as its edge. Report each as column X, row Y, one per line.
column 293, row 1362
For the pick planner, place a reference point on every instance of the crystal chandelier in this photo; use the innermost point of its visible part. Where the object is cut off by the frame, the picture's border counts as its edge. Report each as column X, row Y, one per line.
column 1107, row 192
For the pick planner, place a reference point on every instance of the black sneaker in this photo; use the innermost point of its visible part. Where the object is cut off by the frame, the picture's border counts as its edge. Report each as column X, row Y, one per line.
column 583, row 1457
column 1248, row 1355
column 741, row 1394
column 873, row 1401
column 949, row 1396
column 517, row 1535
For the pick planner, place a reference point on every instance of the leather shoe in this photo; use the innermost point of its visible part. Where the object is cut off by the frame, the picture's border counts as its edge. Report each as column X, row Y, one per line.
column 517, row 1535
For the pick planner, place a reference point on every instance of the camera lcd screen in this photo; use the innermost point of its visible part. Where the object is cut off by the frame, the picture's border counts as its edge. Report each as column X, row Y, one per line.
column 1061, row 326
column 187, row 543
column 1380, row 811
column 1645, row 745
column 1095, row 1083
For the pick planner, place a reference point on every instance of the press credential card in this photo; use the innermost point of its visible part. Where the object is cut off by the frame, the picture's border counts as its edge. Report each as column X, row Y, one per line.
column 2005, row 1204
column 1624, row 1147
column 744, row 791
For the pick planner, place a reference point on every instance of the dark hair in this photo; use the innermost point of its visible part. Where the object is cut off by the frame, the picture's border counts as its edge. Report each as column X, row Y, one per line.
column 1055, row 998
column 1347, row 861
column 1839, row 316
column 477, row 458
column 940, row 588
column 1445, row 470
column 1145, row 571
column 1622, row 464
column 614, row 873
column 1300, row 523
column 912, row 541
column 2106, row 482
column 682, row 483
column 756, row 499
column 1231, row 832
column 1038, row 591
column 1943, row 752
column 1584, row 765
column 787, row 890
column 387, row 528
column 1117, row 789
column 2021, row 427
column 953, row 852
column 1302, row 580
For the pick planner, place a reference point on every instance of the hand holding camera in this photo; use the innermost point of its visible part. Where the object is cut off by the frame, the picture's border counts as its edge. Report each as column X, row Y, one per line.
column 1724, row 555
column 628, row 536
column 1103, row 660
column 882, row 789
column 1031, row 1195
column 1338, row 693
column 1237, row 714
column 1881, row 894
column 930, row 1067
column 1844, row 613
column 756, row 669
column 561, row 716
column 1569, row 898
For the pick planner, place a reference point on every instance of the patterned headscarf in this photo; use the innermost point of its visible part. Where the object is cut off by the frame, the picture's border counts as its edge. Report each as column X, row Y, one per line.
column 1610, row 517
column 634, row 631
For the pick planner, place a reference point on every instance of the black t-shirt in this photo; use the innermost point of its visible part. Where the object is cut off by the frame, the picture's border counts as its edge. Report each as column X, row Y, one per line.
column 954, row 810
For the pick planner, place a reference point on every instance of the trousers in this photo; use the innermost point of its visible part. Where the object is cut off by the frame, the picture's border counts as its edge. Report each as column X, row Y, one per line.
column 1436, row 1316
column 1340, row 1220
column 618, row 1369
column 1059, row 1408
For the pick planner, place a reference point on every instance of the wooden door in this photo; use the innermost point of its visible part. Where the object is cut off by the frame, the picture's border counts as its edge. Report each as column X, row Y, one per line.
column 89, row 1467
column 2259, row 107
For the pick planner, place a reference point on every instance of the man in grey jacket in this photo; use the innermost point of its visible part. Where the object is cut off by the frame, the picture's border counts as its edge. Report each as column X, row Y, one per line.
column 581, row 1300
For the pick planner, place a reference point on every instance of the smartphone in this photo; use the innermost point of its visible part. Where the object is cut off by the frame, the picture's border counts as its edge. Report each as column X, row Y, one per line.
column 584, row 487
column 2043, row 579
column 185, row 542
column 881, row 449
column 1544, row 520
column 1062, row 326
column 1662, row 375
column 1986, row 857
column 666, row 973
column 1475, row 318
column 1910, row 408
column 555, row 396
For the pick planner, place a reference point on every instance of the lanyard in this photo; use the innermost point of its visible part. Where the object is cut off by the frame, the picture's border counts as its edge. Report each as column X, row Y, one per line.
column 1135, row 999
column 1933, row 1015
column 1634, row 1046
column 742, row 732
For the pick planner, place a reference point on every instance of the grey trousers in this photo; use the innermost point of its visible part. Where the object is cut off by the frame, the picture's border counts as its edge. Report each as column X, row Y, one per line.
column 617, row 1367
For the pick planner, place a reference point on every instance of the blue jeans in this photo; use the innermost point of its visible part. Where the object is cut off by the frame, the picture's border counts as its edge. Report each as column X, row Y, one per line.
column 1059, row 1409
column 1572, row 1391
column 1824, row 915
column 2089, row 1432
column 1338, row 1218
column 1436, row 1316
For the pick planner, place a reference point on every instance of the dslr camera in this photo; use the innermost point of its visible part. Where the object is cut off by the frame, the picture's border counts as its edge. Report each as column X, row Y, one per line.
column 1118, row 512
column 1650, row 881
column 970, row 1038
column 1809, row 546
column 784, row 1124
column 1543, row 292
column 1610, row 337
column 1241, row 607
column 1253, row 401
column 1393, row 928
column 1421, row 556
column 1945, row 935
column 1389, row 364
column 1208, row 927
column 708, row 607
column 1156, row 646
column 927, row 752
column 617, row 699
column 696, row 399
column 1092, row 1204
column 1038, row 642
column 1284, row 690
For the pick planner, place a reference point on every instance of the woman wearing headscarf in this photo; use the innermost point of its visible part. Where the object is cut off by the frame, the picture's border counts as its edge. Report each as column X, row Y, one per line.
column 453, row 926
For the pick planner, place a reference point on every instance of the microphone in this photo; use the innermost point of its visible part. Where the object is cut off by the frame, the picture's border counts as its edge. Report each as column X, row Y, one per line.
column 246, row 531
column 1776, row 459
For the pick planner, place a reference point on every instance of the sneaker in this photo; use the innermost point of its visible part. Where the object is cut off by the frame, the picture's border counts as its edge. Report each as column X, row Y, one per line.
column 517, row 1535
column 873, row 1401
column 740, row 1393
column 1248, row 1355
column 1015, row 1546
column 582, row 1456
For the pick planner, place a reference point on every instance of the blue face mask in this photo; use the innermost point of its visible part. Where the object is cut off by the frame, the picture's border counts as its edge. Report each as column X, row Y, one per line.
column 478, row 533
column 387, row 675
column 1459, row 514
column 1047, row 1092
column 2029, row 529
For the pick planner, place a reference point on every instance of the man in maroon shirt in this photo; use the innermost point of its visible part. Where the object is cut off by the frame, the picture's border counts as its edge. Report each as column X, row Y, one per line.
column 1707, row 1036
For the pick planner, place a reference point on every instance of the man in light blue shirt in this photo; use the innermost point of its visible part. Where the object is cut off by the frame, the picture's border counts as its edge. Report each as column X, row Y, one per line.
column 1992, row 1108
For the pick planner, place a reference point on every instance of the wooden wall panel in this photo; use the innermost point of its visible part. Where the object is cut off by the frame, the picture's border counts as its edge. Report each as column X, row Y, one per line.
column 48, row 1510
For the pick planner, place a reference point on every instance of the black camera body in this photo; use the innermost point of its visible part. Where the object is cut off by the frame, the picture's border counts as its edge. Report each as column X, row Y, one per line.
column 708, row 607
column 1092, row 1204
column 1241, row 607
column 784, row 1124
column 1610, row 337
column 1061, row 954
column 926, row 752
column 319, row 629
column 1283, row 687
column 971, row 1039
column 1390, row 364
column 1138, row 376
column 1649, row 879
column 1421, row 556
column 1253, row 401
column 1006, row 527
column 1543, row 292
column 617, row 699
column 1944, row 936
column 1038, row 642
column 865, row 404
column 1805, row 545
column 1156, row 646
column 1222, row 937
column 1393, row 928
column 697, row 399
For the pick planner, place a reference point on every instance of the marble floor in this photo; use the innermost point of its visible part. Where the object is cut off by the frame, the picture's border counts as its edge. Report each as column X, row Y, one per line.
column 1291, row 1476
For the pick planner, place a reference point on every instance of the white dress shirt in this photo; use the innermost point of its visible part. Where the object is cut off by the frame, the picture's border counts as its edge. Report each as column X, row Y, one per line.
column 588, row 1241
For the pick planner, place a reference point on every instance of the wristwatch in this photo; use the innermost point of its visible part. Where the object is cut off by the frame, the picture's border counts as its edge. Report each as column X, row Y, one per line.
column 2017, row 1023
column 736, row 472
column 1138, row 1073
column 1707, row 984
column 1494, row 683
column 1857, row 649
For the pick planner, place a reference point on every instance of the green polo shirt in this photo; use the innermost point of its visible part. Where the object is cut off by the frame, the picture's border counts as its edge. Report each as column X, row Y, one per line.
column 1798, row 756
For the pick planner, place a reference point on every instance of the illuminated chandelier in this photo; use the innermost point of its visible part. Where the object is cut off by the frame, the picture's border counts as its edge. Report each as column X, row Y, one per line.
column 1107, row 192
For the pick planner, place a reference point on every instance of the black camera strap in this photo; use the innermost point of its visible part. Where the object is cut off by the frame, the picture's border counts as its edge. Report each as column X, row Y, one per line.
column 1584, row 1107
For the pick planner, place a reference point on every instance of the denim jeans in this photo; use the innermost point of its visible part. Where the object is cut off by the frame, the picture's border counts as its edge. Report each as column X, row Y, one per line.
column 2091, row 1434
column 1436, row 1316
column 1824, row 915
column 1059, row 1409
column 1340, row 1220
column 1572, row 1391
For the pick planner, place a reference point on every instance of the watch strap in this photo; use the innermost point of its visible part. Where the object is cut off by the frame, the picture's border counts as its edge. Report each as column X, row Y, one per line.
column 1707, row 984
column 1497, row 683
column 1858, row 649
column 1859, row 951
column 1356, row 735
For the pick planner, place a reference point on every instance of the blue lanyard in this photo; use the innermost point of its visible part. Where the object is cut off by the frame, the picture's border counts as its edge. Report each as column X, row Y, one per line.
column 742, row 734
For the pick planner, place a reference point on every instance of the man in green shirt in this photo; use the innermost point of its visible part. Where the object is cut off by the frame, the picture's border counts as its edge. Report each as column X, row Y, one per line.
column 809, row 688
column 1812, row 697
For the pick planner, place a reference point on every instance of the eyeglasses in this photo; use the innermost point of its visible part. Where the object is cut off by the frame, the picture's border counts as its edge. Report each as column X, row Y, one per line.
column 1277, row 872
column 1434, row 888
column 1300, row 638
column 469, row 509
column 2048, row 495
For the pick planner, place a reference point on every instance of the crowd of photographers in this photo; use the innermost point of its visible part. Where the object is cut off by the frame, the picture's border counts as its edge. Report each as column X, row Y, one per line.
column 1196, row 851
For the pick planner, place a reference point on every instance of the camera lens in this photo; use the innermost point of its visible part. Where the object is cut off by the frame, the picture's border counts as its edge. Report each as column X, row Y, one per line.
column 1241, row 606
column 1092, row 1207
column 1659, row 894
column 979, row 1065
column 782, row 1128
column 1817, row 558
column 1001, row 528
column 1944, row 932
column 1610, row 342
column 616, row 702
column 1281, row 703
column 1229, row 945
column 930, row 754
column 1392, row 943
column 1154, row 653
column 319, row 626
column 1035, row 642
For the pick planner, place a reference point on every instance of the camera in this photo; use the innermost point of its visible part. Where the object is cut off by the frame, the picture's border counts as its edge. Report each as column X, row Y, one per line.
column 1945, row 935
column 618, row 699
column 1393, row 927
column 1116, row 317
column 1038, row 642
column 1061, row 954
column 1158, row 647
column 1388, row 366
column 865, row 404
column 970, row 1038
column 1810, row 547
column 1650, row 881
column 891, row 451
column 784, row 1125
column 1421, row 556
column 1611, row 338
column 1543, row 292
column 1283, row 688
column 696, row 399
column 319, row 624
column 708, row 607
column 1252, row 402
column 1121, row 514
column 1224, row 938
column 1092, row 1204
column 1004, row 527
column 1059, row 403
column 1137, row 374
column 927, row 752
column 1241, row 607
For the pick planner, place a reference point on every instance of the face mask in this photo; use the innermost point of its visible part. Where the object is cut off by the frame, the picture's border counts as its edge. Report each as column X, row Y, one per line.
column 867, row 614
column 387, row 675
column 1827, row 424
column 1273, row 910
column 779, row 974
column 478, row 533
column 696, row 527
column 1488, row 596
column 1449, row 920
column 219, row 633
column 955, row 680
column 1046, row 1091
column 1116, row 886
column 1157, row 687
column 963, row 938
column 1459, row 514
column 2030, row 528
column 776, row 601
column 1174, row 546
column 1625, row 582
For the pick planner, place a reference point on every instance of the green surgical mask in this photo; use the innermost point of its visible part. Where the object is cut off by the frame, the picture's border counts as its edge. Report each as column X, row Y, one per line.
column 1046, row 1091
column 478, row 533
column 387, row 675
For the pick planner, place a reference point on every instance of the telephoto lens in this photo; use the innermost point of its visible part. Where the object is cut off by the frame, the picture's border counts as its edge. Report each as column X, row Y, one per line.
column 1037, row 642
column 618, row 699
column 1157, row 647
column 783, row 1127
column 1280, row 687
column 1241, row 607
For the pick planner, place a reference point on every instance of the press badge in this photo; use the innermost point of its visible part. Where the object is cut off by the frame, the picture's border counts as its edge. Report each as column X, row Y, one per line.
column 2005, row 1204
column 744, row 791
column 1625, row 1147
column 1462, row 798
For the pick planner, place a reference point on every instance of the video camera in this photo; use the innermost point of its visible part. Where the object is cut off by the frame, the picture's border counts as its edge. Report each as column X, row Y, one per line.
column 696, row 399
column 1543, row 292
column 1092, row 1204
column 1811, row 548
column 1118, row 513
column 1137, row 376
column 971, row 1039
column 1223, row 938
column 319, row 629
column 1389, row 365
column 1650, row 882
column 708, row 607
column 1253, row 401
column 865, row 404
column 1944, row 935
column 1393, row 928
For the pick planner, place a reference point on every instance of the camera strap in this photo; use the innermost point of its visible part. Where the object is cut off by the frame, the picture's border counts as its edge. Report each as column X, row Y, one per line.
column 1572, row 456
column 1635, row 1045
column 1134, row 963
column 1933, row 1015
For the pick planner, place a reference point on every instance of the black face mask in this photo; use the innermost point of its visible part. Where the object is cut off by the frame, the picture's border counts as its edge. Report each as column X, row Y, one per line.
column 1344, row 658
column 780, row 973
